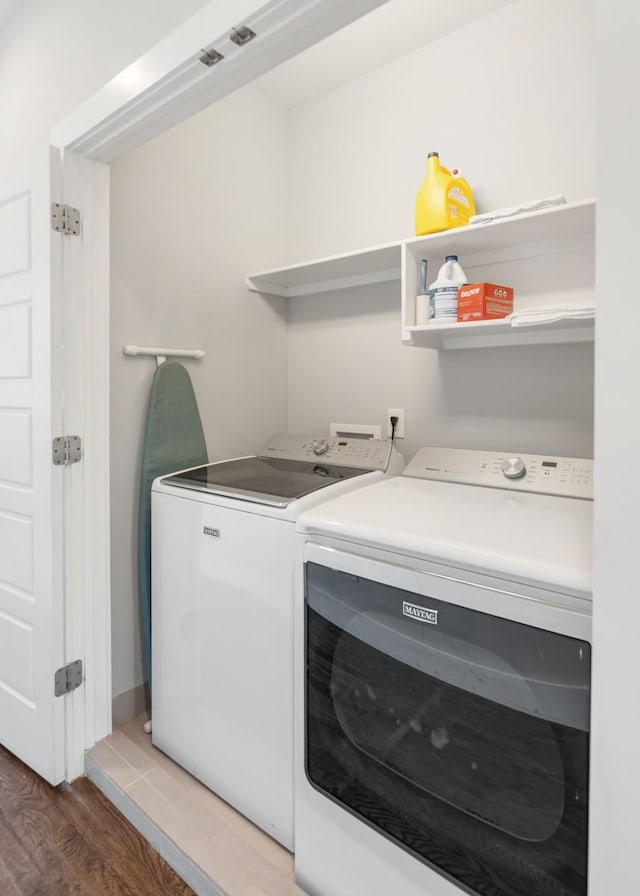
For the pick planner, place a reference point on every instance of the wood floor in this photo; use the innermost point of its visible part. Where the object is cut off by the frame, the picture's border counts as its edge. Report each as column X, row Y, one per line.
column 71, row 841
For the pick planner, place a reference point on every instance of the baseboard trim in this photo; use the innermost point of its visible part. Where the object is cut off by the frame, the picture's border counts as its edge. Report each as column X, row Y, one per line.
column 191, row 874
column 130, row 704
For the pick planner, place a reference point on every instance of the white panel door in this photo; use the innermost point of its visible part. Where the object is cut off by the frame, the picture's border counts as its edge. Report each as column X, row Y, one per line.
column 31, row 618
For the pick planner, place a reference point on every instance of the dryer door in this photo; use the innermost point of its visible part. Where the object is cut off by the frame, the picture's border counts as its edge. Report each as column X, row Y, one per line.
column 462, row 735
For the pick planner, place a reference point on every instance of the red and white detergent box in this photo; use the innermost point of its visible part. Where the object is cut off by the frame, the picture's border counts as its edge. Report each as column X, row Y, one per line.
column 484, row 301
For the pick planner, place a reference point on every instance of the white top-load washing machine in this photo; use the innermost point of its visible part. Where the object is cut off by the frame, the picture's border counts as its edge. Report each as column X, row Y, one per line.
column 222, row 612
column 443, row 628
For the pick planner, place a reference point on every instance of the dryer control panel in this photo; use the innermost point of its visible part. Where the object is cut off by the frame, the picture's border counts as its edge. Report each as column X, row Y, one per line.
column 570, row 477
column 366, row 454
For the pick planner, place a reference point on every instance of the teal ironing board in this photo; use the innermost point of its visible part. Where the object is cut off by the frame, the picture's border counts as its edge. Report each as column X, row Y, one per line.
column 173, row 440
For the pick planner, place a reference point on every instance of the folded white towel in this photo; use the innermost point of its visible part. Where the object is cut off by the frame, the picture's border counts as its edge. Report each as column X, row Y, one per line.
column 545, row 314
column 533, row 206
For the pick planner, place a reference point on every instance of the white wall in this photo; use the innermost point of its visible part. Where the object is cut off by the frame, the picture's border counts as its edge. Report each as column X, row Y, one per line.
column 192, row 212
column 198, row 208
column 509, row 99
column 615, row 795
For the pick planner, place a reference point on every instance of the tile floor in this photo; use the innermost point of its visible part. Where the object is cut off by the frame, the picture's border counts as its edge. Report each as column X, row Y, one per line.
column 215, row 841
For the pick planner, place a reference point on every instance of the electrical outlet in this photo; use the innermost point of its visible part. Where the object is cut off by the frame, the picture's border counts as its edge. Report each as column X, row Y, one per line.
column 399, row 413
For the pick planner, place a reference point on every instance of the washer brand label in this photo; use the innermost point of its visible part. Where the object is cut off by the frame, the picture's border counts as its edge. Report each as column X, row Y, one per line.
column 422, row 614
column 209, row 531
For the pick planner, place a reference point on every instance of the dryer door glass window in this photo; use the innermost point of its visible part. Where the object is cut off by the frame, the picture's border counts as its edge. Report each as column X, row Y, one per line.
column 462, row 736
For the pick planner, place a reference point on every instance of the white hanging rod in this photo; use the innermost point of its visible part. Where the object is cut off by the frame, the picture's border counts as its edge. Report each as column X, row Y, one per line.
column 161, row 354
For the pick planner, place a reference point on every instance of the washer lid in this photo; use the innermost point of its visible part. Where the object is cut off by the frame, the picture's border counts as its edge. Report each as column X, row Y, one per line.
column 262, row 480
column 539, row 539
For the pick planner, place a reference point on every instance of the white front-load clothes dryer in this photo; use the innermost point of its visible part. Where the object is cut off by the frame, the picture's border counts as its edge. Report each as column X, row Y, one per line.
column 222, row 612
column 443, row 631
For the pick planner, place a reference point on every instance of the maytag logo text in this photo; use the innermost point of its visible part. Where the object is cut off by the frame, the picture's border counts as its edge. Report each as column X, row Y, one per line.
column 422, row 614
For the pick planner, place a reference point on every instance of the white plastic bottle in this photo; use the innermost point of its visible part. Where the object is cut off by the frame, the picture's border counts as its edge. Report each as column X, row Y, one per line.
column 443, row 292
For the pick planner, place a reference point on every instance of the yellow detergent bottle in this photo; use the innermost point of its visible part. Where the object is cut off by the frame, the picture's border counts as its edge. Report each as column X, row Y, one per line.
column 444, row 200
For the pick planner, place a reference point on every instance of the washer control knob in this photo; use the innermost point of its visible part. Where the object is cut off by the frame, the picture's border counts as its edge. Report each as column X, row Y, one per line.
column 514, row 468
column 319, row 446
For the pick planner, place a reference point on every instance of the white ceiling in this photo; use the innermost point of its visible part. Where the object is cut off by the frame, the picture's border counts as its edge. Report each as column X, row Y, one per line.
column 390, row 31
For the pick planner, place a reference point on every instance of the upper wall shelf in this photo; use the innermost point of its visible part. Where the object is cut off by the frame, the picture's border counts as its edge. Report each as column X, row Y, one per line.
column 547, row 256
column 555, row 223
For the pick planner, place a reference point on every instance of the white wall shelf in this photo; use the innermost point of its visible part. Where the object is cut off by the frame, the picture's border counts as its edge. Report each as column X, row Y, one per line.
column 554, row 223
column 361, row 268
column 547, row 256
column 494, row 333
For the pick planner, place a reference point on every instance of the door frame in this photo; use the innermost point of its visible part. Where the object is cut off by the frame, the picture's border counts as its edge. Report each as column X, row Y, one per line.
column 163, row 87
column 84, row 381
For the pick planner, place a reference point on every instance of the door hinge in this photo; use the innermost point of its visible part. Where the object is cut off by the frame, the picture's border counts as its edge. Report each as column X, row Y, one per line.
column 65, row 218
column 68, row 678
column 66, row 450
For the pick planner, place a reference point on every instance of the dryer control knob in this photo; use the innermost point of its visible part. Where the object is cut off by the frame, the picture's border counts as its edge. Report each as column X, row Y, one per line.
column 319, row 446
column 514, row 468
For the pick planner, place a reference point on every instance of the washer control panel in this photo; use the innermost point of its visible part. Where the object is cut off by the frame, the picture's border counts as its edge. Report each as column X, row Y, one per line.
column 570, row 477
column 365, row 454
